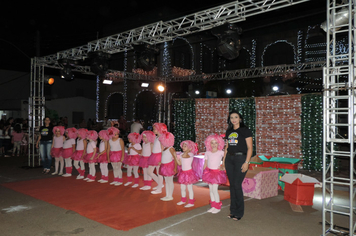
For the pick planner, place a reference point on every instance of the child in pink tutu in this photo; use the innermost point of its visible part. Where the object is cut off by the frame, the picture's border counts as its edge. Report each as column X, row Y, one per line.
column 134, row 151
column 187, row 176
column 148, row 137
column 168, row 166
column 155, row 159
column 102, row 157
column 213, row 175
column 80, row 151
column 92, row 137
column 116, row 152
column 56, row 150
column 69, row 149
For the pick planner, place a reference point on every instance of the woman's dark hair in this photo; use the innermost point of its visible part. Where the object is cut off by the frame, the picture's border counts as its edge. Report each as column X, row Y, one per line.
column 230, row 125
column 46, row 118
column 17, row 128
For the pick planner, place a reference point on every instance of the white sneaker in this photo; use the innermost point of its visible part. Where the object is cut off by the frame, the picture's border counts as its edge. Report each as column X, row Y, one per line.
column 60, row 174
column 145, row 188
column 134, row 186
column 214, row 211
column 100, row 180
column 128, row 183
column 189, row 205
column 118, row 184
column 80, row 177
column 85, row 179
column 90, row 180
column 114, row 182
column 180, row 203
column 154, row 188
column 54, row 173
column 156, row 191
column 103, row 181
column 166, row 199
column 211, row 209
column 66, row 175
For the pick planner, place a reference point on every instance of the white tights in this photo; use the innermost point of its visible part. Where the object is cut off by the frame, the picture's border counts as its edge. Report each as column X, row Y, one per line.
column 79, row 164
column 145, row 174
column 133, row 169
column 104, row 169
column 116, row 166
column 214, row 195
column 92, row 170
column 58, row 161
column 157, row 178
column 169, row 186
column 190, row 190
column 68, row 162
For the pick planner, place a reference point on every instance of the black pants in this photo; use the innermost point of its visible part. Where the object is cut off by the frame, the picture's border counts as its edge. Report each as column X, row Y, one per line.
column 233, row 170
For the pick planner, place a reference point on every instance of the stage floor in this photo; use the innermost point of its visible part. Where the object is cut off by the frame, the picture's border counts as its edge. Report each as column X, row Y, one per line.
column 22, row 214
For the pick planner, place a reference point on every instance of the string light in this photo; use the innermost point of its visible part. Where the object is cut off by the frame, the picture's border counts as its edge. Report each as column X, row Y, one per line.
column 279, row 41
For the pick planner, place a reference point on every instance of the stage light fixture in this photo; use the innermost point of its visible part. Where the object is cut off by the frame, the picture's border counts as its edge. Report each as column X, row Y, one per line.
column 229, row 43
column 341, row 18
column 228, row 91
column 99, row 62
column 144, row 85
column 146, row 56
column 275, row 88
column 107, row 81
column 197, row 92
column 66, row 71
column 160, row 88
column 49, row 81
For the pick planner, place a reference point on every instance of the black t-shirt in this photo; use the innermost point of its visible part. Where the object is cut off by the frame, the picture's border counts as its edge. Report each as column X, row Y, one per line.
column 236, row 139
column 46, row 133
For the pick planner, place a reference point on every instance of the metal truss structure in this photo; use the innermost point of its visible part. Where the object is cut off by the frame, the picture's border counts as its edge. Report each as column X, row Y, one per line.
column 339, row 119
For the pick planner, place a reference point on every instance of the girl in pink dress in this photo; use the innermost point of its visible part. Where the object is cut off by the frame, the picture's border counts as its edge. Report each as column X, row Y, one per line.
column 116, row 152
column 155, row 159
column 168, row 166
column 56, row 150
column 102, row 157
column 148, row 138
column 133, row 160
column 69, row 149
column 187, row 176
column 213, row 174
column 89, row 158
column 80, row 151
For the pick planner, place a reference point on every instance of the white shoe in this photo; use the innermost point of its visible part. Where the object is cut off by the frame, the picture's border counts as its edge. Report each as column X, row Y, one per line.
column 189, row 205
column 180, row 203
column 80, row 177
column 118, row 184
column 85, row 179
column 215, row 211
column 66, row 175
column 154, row 188
column 90, row 180
column 100, row 180
column 128, row 183
column 156, row 191
column 54, row 173
column 60, row 174
column 114, row 182
column 211, row 209
column 166, row 199
column 134, row 186
column 103, row 181
column 145, row 188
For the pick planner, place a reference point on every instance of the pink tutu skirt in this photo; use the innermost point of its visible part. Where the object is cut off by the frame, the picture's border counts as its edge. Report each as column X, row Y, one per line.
column 154, row 159
column 87, row 158
column 102, row 158
column 133, row 160
column 143, row 162
column 77, row 155
column 212, row 176
column 115, row 156
column 167, row 169
column 67, row 153
column 188, row 177
column 56, row 152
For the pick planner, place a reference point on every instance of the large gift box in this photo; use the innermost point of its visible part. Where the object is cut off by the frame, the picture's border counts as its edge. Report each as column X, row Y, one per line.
column 260, row 183
column 299, row 189
column 255, row 162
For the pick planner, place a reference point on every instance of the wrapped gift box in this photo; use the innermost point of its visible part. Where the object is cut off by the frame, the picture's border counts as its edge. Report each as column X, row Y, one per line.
column 280, row 162
column 260, row 183
column 299, row 189
column 255, row 162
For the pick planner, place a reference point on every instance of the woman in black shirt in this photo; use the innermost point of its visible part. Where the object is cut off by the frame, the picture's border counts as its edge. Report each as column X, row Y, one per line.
column 238, row 152
column 44, row 142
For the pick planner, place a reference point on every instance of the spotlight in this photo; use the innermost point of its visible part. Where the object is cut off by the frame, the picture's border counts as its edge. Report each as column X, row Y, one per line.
column 229, row 43
column 144, row 85
column 341, row 18
column 160, row 88
column 197, row 92
column 275, row 88
column 49, row 81
column 98, row 62
column 107, row 81
column 147, row 58
column 66, row 71
column 228, row 91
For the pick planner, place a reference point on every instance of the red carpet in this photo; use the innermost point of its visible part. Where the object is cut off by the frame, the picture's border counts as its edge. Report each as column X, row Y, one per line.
column 119, row 207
